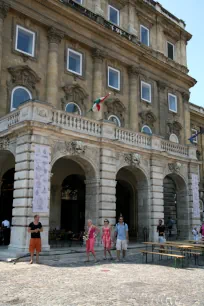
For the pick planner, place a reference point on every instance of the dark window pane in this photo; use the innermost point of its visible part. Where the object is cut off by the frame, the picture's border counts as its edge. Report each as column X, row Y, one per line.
column 113, row 79
column 20, row 95
column 144, row 36
column 72, row 108
column 74, row 62
column 25, row 41
column 170, row 51
column 146, row 92
column 114, row 16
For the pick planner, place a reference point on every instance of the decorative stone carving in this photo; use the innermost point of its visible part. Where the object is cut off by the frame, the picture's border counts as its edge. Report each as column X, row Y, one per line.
column 161, row 86
column 74, row 93
column 148, row 118
column 4, row 143
column 42, row 112
column 99, row 54
column 115, row 107
column 133, row 70
column 54, row 35
column 73, row 147
column 132, row 159
column 4, row 8
column 24, row 75
column 175, row 167
column 186, row 96
column 174, row 128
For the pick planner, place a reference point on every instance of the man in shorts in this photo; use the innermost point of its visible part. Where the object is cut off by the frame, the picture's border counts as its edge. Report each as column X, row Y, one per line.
column 35, row 228
column 121, row 232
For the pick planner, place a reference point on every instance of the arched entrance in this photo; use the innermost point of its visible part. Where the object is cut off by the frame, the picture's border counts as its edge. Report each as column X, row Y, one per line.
column 132, row 200
column 176, row 205
column 72, row 198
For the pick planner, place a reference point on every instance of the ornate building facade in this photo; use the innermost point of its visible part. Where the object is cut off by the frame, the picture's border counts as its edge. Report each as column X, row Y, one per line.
column 132, row 157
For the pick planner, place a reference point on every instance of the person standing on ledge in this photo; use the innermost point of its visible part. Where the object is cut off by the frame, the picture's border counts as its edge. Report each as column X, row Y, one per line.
column 35, row 242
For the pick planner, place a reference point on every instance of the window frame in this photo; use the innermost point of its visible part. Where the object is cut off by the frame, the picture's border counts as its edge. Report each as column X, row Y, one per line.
column 174, row 135
column 119, row 78
column 195, row 140
column 81, row 61
column 150, row 87
column 168, row 42
column 81, row 2
column 80, row 112
column 33, row 44
column 146, row 126
column 148, row 36
column 118, row 120
column 118, row 15
column 174, row 111
column 13, row 90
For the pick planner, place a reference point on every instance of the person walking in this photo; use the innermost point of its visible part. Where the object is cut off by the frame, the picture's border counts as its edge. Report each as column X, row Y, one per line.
column 121, row 232
column 35, row 228
column 6, row 231
column 106, row 238
column 170, row 223
column 195, row 234
column 90, row 236
column 161, row 231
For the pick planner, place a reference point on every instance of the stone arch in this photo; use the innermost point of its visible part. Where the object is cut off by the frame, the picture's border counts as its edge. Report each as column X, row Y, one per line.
column 138, row 197
column 115, row 107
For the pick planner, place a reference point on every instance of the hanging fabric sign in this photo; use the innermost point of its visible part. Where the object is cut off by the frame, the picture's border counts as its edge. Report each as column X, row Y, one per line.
column 41, row 183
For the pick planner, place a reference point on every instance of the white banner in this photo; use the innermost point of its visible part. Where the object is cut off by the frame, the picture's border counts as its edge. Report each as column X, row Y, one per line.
column 195, row 189
column 41, row 179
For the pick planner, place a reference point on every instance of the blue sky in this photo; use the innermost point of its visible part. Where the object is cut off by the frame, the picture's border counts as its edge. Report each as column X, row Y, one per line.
column 191, row 11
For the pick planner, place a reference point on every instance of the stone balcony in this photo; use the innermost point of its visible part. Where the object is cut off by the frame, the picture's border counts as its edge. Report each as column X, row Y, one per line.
column 46, row 116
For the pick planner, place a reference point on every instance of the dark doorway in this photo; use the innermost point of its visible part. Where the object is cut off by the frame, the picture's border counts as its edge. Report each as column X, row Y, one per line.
column 6, row 198
column 124, row 205
column 73, row 204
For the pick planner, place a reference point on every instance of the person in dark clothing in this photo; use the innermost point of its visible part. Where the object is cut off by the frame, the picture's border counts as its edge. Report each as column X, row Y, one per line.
column 161, row 231
column 35, row 242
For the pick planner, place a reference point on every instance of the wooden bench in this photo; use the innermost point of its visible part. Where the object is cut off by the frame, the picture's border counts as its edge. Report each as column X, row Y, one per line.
column 174, row 256
column 195, row 254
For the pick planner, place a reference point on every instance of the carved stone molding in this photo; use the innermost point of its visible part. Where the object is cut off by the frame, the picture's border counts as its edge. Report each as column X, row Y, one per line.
column 115, row 107
column 174, row 127
column 24, row 75
column 175, row 167
column 4, row 143
column 74, row 93
column 148, row 118
column 4, row 8
column 132, row 159
column 54, row 35
column 133, row 70
column 99, row 54
column 185, row 96
column 72, row 147
column 161, row 86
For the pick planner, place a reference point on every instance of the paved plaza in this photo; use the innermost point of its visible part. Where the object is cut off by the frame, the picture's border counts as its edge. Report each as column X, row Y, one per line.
column 71, row 282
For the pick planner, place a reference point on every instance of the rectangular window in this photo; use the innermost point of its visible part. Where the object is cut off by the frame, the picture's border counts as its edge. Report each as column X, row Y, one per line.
column 172, row 99
column 113, row 15
column 144, row 35
column 79, row 1
column 170, row 50
column 25, row 41
column 74, row 62
column 113, row 78
column 146, row 92
column 194, row 131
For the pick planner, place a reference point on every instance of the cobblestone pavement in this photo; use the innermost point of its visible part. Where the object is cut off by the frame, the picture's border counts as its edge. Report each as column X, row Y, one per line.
column 71, row 282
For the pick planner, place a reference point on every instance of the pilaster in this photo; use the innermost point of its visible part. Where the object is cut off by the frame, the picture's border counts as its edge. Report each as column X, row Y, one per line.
column 133, row 97
column 162, row 106
column 92, row 200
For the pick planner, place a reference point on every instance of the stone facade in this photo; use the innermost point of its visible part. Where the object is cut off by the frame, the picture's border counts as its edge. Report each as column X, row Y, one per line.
column 86, row 144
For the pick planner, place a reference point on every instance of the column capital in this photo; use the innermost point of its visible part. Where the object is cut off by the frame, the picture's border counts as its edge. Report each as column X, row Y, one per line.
column 133, row 70
column 185, row 96
column 99, row 54
column 4, row 8
column 54, row 35
column 161, row 86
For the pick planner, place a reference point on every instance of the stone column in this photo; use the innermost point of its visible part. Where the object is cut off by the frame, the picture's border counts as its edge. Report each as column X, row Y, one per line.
column 98, row 57
column 157, row 205
column 4, row 7
column 183, row 57
column 132, row 20
column 23, row 197
column 163, row 107
column 187, row 123
column 160, row 37
column 92, row 200
column 54, row 38
column 133, row 97
column 107, row 196
column 144, row 213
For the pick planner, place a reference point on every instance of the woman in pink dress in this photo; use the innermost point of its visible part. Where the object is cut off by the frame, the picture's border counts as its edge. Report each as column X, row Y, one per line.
column 106, row 238
column 202, row 230
column 91, row 234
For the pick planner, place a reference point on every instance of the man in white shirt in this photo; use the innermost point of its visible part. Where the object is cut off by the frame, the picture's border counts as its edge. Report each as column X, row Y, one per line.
column 6, row 231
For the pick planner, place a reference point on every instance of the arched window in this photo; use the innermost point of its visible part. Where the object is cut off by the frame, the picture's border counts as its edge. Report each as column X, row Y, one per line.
column 173, row 138
column 146, row 129
column 115, row 119
column 73, row 108
column 19, row 95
